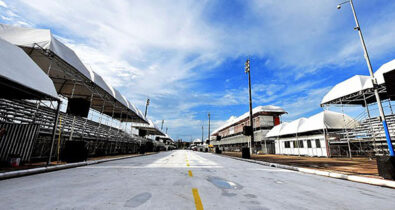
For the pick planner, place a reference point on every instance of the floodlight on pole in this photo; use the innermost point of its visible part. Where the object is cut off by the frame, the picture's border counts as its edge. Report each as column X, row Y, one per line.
column 374, row 81
column 247, row 71
column 146, row 107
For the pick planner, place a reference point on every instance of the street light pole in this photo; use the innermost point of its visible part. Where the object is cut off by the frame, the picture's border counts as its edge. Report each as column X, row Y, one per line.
column 202, row 132
column 247, row 71
column 208, row 127
column 374, row 81
column 146, row 107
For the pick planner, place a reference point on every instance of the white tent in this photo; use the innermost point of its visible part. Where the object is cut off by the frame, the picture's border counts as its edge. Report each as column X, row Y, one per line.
column 151, row 128
column 347, row 87
column 324, row 120
column 17, row 69
column 356, row 85
column 32, row 38
column 384, row 69
column 328, row 120
column 258, row 109
column 276, row 130
column 69, row 75
column 293, row 127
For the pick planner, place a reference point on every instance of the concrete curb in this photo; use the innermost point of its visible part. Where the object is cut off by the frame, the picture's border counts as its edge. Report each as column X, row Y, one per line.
column 360, row 179
column 14, row 174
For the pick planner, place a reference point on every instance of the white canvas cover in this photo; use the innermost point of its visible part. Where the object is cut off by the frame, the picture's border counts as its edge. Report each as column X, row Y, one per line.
column 328, row 120
column 349, row 86
column 275, row 131
column 323, row 120
column 293, row 127
column 151, row 128
column 357, row 83
column 268, row 108
column 29, row 37
column 16, row 66
column 383, row 69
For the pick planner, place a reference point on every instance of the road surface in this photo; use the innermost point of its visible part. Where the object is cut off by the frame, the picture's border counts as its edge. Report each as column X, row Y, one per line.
column 187, row 180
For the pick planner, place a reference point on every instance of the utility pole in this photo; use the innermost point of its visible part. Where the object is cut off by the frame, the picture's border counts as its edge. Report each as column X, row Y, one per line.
column 208, row 127
column 247, row 71
column 161, row 127
column 202, row 132
column 374, row 81
column 146, row 107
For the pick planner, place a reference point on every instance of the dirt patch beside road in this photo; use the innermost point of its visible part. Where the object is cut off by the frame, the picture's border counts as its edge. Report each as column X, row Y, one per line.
column 354, row 166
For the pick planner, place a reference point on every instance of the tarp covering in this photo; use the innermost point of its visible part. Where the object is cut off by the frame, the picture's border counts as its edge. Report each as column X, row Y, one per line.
column 151, row 128
column 17, row 67
column 28, row 37
column 357, row 83
column 324, row 120
column 69, row 75
column 258, row 109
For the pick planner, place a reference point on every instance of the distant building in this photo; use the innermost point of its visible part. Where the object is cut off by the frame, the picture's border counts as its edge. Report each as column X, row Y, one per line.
column 229, row 136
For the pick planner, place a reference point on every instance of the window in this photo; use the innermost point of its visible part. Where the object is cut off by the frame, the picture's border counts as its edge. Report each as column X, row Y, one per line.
column 301, row 144
column 308, row 143
column 317, row 143
column 287, row 144
column 295, row 144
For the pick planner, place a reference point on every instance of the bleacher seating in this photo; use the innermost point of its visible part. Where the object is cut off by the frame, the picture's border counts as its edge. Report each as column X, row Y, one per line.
column 102, row 139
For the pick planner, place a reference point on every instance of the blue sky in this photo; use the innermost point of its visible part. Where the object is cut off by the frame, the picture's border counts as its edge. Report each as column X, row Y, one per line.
column 188, row 56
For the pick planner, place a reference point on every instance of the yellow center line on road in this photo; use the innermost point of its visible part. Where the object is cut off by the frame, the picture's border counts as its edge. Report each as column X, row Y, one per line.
column 198, row 202
column 190, row 173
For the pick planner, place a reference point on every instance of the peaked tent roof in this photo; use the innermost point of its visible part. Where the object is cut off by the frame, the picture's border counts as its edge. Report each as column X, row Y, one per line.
column 357, row 84
column 151, row 128
column 323, row 120
column 18, row 71
column 59, row 61
column 276, row 130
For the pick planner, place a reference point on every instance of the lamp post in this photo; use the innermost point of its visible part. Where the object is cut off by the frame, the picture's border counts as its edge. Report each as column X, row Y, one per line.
column 247, row 71
column 374, row 81
column 208, row 127
column 146, row 107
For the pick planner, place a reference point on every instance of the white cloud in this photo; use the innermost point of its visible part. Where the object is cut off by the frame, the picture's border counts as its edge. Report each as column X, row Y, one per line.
column 161, row 50
column 3, row 4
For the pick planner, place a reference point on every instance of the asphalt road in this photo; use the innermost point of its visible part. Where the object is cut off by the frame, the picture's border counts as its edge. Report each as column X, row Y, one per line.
column 187, row 180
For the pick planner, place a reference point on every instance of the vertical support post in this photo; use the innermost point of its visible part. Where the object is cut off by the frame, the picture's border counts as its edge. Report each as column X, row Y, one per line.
column 374, row 81
column 208, row 135
column 247, row 70
column 54, row 132
column 202, row 133
column 346, row 131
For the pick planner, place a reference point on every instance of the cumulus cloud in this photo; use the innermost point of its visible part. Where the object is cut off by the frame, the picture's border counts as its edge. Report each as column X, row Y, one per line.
column 165, row 51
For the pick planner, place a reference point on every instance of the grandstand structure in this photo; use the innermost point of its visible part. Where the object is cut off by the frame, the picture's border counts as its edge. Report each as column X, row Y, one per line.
column 368, row 138
column 230, row 135
column 81, row 106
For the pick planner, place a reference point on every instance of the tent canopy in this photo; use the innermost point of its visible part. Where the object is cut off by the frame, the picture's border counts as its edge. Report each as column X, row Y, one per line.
column 70, row 76
column 20, row 77
column 151, row 128
column 324, row 120
column 354, row 89
column 256, row 110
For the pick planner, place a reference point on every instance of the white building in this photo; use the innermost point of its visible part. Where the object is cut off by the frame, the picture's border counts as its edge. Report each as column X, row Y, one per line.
column 309, row 136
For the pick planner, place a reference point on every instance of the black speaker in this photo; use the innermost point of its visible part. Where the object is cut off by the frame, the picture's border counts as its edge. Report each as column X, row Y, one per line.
column 247, row 130
column 389, row 79
column 245, row 152
column 142, row 132
column 78, row 107
column 74, row 151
